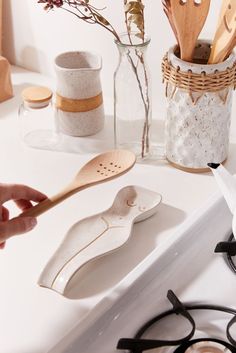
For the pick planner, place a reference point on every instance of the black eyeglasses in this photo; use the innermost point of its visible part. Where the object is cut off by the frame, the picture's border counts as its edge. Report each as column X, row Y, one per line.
column 139, row 344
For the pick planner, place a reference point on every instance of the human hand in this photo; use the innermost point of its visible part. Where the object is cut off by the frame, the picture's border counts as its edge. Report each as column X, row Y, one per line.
column 22, row 195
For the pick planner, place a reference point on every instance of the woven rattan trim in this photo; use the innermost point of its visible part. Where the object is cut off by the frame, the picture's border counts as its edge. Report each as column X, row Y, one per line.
column 203, row 82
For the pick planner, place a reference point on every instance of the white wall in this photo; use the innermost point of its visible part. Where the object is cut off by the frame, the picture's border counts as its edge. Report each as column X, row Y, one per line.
column 33, row 37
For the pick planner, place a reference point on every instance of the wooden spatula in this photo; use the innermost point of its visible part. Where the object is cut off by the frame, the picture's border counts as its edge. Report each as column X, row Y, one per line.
column 104, row 167
column 225, row 37
column 189, row 17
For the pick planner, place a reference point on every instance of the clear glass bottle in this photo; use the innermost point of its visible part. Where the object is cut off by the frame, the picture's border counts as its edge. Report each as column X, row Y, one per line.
column 36, row 118
column 132, row 96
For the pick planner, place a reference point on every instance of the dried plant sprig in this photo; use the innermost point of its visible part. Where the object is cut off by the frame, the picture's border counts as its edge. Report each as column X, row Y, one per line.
column 51, row 3
column 83, row 10
column 134, row 17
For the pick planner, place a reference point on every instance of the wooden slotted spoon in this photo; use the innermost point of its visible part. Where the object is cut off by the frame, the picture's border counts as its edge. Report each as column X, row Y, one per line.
column 104, row 167
column 225, row 36
column 189, row 17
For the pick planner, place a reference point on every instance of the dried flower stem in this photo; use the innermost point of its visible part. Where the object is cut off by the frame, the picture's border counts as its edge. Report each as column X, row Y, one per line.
column 146, row 103
column 134, row 15
column 83, row 10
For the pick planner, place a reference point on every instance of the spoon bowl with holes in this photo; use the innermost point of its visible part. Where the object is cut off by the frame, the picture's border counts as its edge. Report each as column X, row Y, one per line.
column 103, row 167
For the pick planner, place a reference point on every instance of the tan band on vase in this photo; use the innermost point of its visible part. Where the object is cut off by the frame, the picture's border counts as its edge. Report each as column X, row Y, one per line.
column 78, row 105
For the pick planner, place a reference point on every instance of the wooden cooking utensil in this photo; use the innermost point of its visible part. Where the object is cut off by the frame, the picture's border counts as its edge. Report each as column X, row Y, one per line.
column 189, row 17
column 225, row 37
column 1, row 19
column 167, row 9
column 104, row 167
column 231, row 47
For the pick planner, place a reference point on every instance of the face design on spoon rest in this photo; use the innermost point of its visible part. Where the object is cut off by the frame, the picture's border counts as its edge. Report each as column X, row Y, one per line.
column 228, row 19
column 134, row 203
column 133, row 200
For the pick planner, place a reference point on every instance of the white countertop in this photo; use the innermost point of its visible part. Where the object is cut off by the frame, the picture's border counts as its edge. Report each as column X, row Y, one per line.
column 34, row 319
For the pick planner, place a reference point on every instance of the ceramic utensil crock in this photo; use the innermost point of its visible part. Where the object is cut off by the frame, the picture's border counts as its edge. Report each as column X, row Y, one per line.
column 79, row 99
column 199, row 100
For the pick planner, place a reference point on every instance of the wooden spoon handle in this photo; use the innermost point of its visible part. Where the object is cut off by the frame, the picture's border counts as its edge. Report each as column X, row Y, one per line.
column 47, row 204
column 38, row 209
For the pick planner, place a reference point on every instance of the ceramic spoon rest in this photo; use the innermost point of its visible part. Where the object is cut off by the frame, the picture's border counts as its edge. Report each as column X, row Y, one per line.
column 98, row 235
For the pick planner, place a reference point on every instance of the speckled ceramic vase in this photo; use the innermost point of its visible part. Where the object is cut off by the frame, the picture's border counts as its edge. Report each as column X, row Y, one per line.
column 198, row 123
column 79, row 99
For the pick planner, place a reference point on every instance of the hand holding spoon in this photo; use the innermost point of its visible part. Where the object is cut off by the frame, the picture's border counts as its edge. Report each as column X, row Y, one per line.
column 104, row 167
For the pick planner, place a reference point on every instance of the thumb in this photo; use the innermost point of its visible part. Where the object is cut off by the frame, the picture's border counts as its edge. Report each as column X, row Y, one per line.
column 16, row 226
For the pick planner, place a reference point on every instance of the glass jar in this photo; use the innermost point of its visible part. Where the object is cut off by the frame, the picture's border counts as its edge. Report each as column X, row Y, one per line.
column 36, row 118
column 132, row 96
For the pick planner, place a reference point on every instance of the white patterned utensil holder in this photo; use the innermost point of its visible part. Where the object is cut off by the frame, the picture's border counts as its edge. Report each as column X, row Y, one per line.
column 79, row 101
column 198, row 116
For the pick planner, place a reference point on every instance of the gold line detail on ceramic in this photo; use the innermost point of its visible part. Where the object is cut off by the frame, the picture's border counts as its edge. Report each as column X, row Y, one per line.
column 108, row 227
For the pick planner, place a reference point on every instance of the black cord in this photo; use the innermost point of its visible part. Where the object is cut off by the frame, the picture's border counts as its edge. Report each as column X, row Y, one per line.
column 229, row 336
column 138, row 345
column 186, row 345
column 229, row 248
column 230, row 257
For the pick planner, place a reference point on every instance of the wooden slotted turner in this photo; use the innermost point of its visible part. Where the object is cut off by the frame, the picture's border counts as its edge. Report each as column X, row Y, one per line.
column 104, row 167
column 225, row 36
column 189, row 17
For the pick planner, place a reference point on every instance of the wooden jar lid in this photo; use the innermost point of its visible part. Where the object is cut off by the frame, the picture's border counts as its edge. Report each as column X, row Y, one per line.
column 36, row 94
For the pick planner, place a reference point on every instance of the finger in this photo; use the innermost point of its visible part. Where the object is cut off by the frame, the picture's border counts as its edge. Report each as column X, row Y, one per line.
column 2, row 245
column 23, row 204
column 5, row 217
column 18, row 192
column 5, row 214
column 16, row 226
